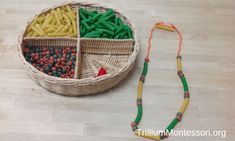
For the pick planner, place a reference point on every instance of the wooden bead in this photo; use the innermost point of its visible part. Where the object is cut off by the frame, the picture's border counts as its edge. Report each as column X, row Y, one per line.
column 179, row 116
column 139, row 101
column 180, row 73
column 142, row 78
column 146, row 60
column 186, row 94
column 133, row 124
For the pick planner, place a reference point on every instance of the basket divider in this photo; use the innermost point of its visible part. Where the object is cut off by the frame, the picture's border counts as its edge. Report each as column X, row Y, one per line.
column 78, row 64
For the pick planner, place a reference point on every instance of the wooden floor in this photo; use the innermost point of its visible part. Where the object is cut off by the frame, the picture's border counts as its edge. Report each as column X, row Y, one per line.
column 31, row 113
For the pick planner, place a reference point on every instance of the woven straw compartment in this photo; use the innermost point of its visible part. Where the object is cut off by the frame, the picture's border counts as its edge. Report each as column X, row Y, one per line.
column 116, row 56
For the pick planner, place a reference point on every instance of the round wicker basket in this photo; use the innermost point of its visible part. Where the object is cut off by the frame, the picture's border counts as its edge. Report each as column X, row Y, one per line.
column 117, row 56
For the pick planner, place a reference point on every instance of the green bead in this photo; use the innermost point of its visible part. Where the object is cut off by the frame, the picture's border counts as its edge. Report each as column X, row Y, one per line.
column 172, row 124
column 145, row 69
column 92, row 27
column 93, row 13
column 108, row 12
column 85, row 25
column 185, row 84
column 99, row 25
column 86, row 12
column 119, row 21
column 82, row 16
column 96, row 17
column 117, row 36
column 107, row 18
column 119, row 29
column 105, row 36
column 108, row 26
column 114, row 25
column 93, row 34
column 129, row 32
column 105, row 31
column 122, row 35
column 88, row 21
column 139, row 114
column 116, row 21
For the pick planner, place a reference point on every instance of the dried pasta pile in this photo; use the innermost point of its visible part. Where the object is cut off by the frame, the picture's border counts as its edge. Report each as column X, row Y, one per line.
column 57, row 22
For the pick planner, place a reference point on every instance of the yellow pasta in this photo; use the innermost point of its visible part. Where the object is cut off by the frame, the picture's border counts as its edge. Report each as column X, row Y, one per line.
column 70, row 30
column 31, row 25
column 50, row 29
column 66, row 18
column 70, row 11
column 140, row 89
column 147, row 135
column 34, row 34
column 59, row 28
column 73, row 22
column 63, row 22
column 65, row 28
column 29, row 33
column 37, row 31
column 59, row 13
column 41, row 19
column 184, row 105
column 56, row 17
column 53, row 22
column 47, row 21
column 57, row 34
column 179, row 64
column 57, row 22
column 40, row 28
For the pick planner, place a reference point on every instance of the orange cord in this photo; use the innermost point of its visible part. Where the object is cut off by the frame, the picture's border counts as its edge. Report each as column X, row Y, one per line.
column 151, row 36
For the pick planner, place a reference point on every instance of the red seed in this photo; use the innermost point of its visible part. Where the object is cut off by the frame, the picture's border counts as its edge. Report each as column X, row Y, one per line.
column 36, row 57
column 44, row 53
column 65, row 51
column 67, row 68
column 53, row 68
column 73, row 50
column 41, row 63
column 72, row 71
column 57, row 65
column 26, row 50
column 51, row 61
column 70, row 63
column 63, row 63
column 46, row 60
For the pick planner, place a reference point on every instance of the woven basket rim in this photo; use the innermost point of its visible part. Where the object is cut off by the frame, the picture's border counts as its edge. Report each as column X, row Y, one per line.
column 84, row 81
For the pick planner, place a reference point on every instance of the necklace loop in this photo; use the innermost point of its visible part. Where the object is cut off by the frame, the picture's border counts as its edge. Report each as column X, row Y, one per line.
column 139, row 132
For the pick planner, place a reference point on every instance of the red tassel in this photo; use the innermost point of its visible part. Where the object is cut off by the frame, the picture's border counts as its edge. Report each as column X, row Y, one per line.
column 102, row 71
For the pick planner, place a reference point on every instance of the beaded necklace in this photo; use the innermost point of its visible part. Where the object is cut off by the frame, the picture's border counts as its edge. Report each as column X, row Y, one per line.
column 178, row 118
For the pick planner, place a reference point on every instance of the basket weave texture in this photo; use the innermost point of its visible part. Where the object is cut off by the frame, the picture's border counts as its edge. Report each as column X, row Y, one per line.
column 117, row 56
